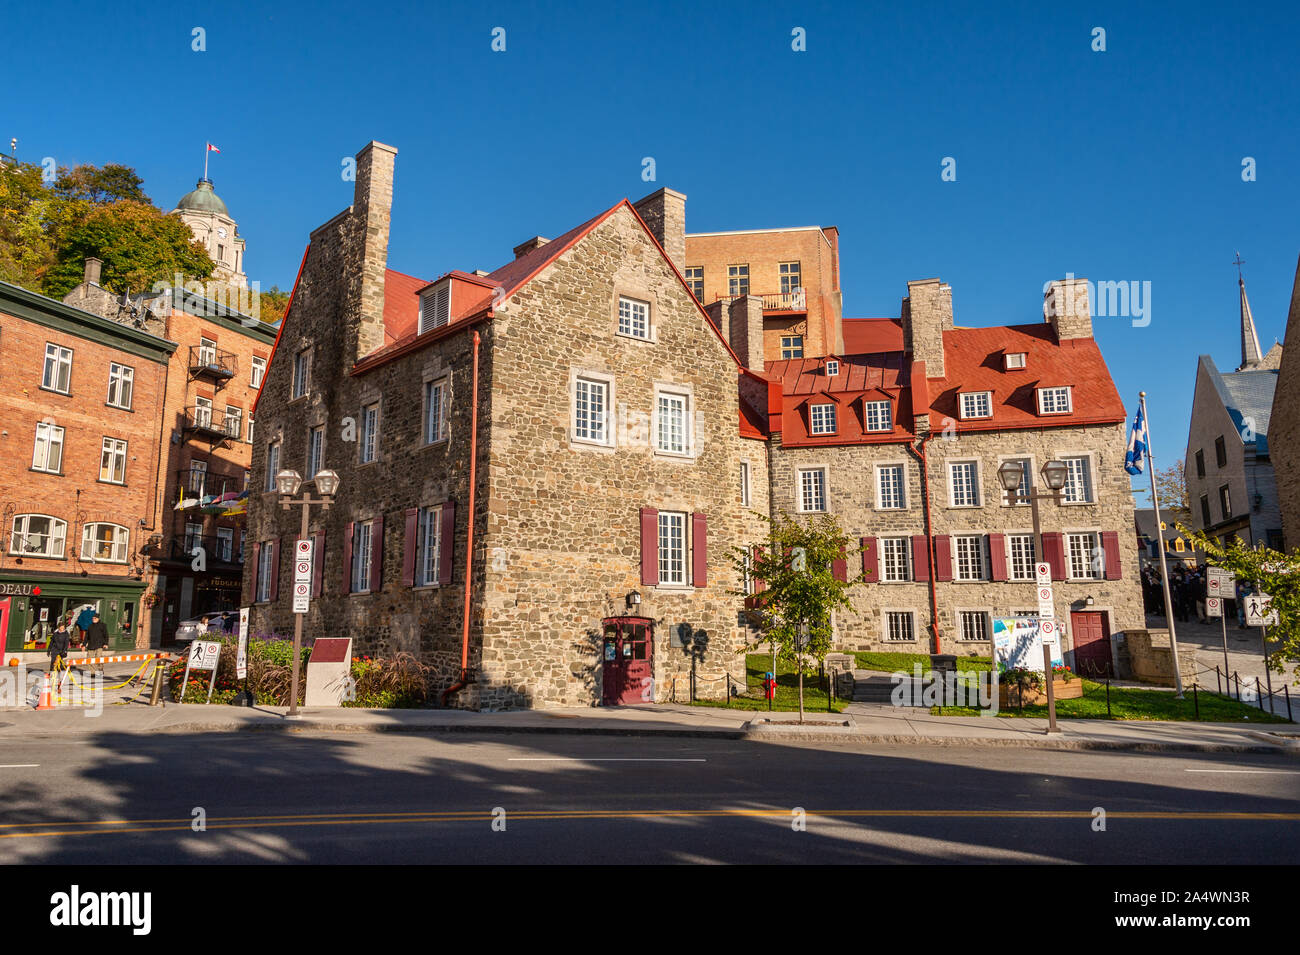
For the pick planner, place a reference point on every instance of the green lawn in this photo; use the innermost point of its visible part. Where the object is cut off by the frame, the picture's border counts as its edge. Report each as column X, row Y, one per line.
column 906, row 662
column 787, row 689
column 1134, row 704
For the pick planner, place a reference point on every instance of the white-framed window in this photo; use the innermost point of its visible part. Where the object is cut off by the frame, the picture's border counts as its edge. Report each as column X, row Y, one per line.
column 435, row 410
column 58, row 368
column 226, row 543
column 791, row 277
column 591, row 410
column 272, row 464
column 891, row 492
column 47, row 455
column 694, row 275
column 1020, row 551
column 301, row 373
column 969, row 553
column 435, row 308
column 791, row 346
column 812, row 490
column 38, row 535
column 1085, row 556
column 1078, row 483
column 203, row 412
column 264, row 569
column 898, row 626
column 672, row 548
column 257, row 372
column 672, row 416
column 976, row 404
column 737, row 280
column 633, row 318
column 243, row 539
column 361, row 539
column 207, row 351
column 963, row 484
column 877, row 415
column 973, row 625
column 193, row 537
column 747, row 572
column 896, row 558
column 1016, row 359
column 104, row 543
column 234, row 421
column 744, row 483
column 112, row 461
column 369, row 444
column 250, row 429
column 428, row 553
column 121, row 382
column 198, row 477
column 1024, row 487
column 1054, row 400
column 823, row 419
column 315, row 451
column 832, row 368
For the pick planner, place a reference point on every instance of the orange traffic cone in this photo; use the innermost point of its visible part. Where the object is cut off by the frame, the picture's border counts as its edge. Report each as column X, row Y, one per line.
column 47, row 695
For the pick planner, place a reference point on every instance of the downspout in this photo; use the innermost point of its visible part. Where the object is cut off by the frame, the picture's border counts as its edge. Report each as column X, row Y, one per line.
column 929, row 535
column 469, row 535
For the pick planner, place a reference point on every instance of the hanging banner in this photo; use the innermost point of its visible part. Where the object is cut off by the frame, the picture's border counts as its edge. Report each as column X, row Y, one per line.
column 241, row 651
column 1018, row 643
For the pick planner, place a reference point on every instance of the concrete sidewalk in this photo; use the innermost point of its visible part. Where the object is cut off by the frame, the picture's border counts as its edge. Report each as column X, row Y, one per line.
column 859, row 724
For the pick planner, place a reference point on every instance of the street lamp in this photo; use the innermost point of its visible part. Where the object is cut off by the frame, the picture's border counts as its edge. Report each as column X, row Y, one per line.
column 287, row 482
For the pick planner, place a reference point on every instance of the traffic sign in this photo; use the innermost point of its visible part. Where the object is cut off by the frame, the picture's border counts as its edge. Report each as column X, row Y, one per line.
column 1043, row 573
column 301, row 596
column 1214, row 606
column 1045, row 601
column 1220, row 582
column 204, row 654
column 1259, row 612
column 1048, row 632
column 302, row 561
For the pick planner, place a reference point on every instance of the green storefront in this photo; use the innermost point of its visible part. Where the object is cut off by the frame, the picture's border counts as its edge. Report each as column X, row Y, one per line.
column 31, row 606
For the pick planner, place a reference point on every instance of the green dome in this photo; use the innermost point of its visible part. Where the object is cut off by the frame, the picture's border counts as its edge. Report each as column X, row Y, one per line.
column 203, row 199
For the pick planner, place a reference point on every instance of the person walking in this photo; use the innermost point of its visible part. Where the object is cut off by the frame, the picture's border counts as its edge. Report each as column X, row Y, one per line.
column 84, row 620
column 1200, row 587
column 1242, row 592
column 97, row 639
column 57, row 648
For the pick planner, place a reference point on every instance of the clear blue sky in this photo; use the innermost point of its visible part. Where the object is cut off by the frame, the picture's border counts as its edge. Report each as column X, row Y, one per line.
column 1122, row 165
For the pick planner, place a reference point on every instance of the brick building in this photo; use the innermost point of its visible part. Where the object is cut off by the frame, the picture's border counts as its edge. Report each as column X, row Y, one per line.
column 81, row 399
column 1284, row 433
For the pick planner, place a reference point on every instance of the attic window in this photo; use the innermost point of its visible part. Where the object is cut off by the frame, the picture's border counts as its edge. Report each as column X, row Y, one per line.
column 1015, row 359
column 832, row 367
column 976, row 404
column 435, row 307
column 1054, row 401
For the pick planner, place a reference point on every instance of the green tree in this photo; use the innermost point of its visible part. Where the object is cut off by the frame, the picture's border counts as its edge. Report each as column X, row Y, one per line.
column 272, row 303
column 1171, row 485
column 800, row 590
column 1273, row 572
column 100, row 185
column 26, row 210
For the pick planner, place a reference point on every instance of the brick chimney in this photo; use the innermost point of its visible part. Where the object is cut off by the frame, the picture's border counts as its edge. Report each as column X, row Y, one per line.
column 927, row 314
column 523, row 248
column 372, row 206
column 1067, row 309
column 93, row 268
column 664, row 213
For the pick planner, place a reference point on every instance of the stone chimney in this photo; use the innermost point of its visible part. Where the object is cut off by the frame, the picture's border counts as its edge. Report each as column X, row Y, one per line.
column 93, row 268
column 523, row 248
column 1067, row 309
column 927, row 314
column 372, row 206
column 745, row 334
column 665, row 214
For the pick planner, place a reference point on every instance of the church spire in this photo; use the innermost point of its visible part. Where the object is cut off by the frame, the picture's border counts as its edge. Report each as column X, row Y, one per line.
column 1250, row 353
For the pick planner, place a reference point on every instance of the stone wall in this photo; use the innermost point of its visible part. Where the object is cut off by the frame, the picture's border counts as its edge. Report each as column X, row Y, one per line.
column 1284, row 425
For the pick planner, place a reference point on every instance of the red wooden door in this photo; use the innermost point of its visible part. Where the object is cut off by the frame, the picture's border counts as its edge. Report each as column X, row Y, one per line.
column 1091, row 643
column 627, row 664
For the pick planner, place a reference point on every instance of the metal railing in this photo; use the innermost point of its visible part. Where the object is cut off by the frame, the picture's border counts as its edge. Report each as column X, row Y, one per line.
column 200, row 484
column 215, row 549
column 795, row 301
column 207, row 362
column 210, row 421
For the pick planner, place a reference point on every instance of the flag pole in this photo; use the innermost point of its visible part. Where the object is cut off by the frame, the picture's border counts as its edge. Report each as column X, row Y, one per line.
column 206, row 150
column 1160, row 546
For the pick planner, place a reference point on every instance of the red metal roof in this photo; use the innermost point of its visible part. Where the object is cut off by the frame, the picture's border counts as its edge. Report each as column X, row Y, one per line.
column 864, row 336
column 401, row 304
column 861, row 378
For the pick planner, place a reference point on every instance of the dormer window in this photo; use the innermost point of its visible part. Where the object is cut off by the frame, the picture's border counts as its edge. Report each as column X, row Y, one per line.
column 823, row 419
column 976, row 404
column 832, row 367
column 435, row 307
column 876, row 414
column 1014, row 360
column 1054, row 401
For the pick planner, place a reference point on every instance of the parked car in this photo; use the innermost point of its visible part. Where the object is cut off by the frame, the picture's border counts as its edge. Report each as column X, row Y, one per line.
column 219, row 623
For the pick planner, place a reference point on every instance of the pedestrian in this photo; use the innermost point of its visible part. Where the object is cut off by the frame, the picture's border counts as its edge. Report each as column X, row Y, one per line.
column 1242, row 593
column 97, row 639
column 84, row 620
column 1200, row 588
column 57, row 648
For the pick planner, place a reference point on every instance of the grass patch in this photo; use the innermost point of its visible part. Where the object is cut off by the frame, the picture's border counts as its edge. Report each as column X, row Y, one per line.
column 787, row 690
column 1127, row 703
column 906, row 662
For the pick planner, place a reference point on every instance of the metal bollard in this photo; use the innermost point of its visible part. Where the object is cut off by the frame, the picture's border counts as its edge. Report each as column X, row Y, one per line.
column 155, row 695
column 1196, row 701
column 1258, row 695
column 1286, row 694
column 1108, row 716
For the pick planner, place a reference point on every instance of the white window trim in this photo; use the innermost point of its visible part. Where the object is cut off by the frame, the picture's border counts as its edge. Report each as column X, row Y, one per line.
column 103, row 447
column 599, row 377
column 1069, row 399
column 49, row 435
column 265, row 554
column 15, row 537
column 1007, row 364
column 272, row 471
column 907, row 559
column 988, row 624
column 127, row 375
column 1069, row 568
column 1020, row 532
column 58, row 361
column 680, row 391
column 304, row 355
column 979, row 482
column 884, row 626
column 889, row 415
column 746, row 483
column 685, row 583
column 218, row 538
column 253, row 367
column 651, row 325
column 425, row 386
column 367, row 432
column 1092, row 477
column 88, row 537
column 435, row 308
column 812, row 418
column 981, row 541
column 832, row 367
column 961, row 406
column 826, row 488
column 356, row 553
column 1033, row 476
column 309, row 474
column 880, row 496
column 422, row 544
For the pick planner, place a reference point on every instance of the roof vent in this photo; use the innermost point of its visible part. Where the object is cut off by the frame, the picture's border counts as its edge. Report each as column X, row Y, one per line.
column 1014, row 359
column 435, row 307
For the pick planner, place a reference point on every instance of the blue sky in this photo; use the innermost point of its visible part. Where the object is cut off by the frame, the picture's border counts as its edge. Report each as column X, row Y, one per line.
column 1123, row 165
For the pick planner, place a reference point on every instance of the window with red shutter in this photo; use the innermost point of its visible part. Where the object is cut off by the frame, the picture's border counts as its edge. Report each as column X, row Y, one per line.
column 942, row 557
column 998, row 555
column 870, row 560
column 649, row 546
column 275, row 570
column 317, row 563
column 448, row 543
column 699, row 550
column 347, row 557
column 1110, row 550
column 410, row 542
column 377, row 555
column 920, row 558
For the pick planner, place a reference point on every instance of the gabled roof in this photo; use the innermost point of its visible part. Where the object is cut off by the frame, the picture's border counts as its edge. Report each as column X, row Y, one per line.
column 863, row 336
column 401, row 304
column 1247, row 396
column 512, row 276
column 858, row 373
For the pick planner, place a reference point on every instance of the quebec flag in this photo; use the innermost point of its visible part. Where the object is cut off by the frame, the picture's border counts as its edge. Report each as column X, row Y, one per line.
column 1135, row 458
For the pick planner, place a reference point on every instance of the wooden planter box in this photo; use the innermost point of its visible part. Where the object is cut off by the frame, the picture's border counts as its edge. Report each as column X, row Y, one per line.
column 1010, row 696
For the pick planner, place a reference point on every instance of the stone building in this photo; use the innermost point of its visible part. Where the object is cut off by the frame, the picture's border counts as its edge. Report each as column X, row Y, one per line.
column 1229, row 471
column 1284, row 424
column 542, row 467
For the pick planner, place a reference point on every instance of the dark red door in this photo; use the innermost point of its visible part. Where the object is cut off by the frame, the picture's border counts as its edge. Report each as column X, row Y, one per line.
column 627, row 661
column 1091, row 644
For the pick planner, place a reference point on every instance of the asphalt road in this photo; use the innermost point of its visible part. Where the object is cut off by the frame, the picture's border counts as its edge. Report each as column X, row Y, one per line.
column 389, row 798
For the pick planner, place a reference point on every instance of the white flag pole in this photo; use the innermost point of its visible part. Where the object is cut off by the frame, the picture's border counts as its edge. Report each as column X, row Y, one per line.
column 1160, row 545
column 206, row 151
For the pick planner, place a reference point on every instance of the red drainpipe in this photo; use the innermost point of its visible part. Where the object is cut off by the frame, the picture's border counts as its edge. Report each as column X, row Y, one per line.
column 469, row 536
column 929, row 536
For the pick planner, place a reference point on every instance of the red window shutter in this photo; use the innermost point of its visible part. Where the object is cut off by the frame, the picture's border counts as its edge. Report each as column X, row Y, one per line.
column 942, row 557
column 448, row 542
column 347, row 557
column 699, row 550
column 759, row 583
column 920, row 558
column 1110, row 552
column 317, row 563
column 377, row 555
column 998, row 555
column 1054, row 552
column 870, row 560
column 257, row 553
column 409, row 542
column 649, row 546
column 275, row 570
column 840, row 567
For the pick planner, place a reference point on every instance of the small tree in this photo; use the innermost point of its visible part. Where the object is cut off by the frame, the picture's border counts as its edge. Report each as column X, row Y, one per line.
column 800, row 590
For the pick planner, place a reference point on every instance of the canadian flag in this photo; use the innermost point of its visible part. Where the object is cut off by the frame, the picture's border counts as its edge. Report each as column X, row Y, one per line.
column 213, row 149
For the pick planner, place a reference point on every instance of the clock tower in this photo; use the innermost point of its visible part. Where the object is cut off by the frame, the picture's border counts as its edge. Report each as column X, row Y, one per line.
column 211, row 224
